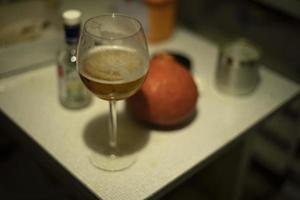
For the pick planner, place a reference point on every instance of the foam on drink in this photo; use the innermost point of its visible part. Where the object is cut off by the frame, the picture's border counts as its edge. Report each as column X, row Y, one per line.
column 113, row 64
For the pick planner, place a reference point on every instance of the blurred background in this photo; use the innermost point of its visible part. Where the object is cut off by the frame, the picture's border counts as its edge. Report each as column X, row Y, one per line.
column 272, row 169
column 263, row 165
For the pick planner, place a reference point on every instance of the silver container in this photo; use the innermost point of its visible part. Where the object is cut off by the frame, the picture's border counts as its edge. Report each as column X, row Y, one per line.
column 237, row 71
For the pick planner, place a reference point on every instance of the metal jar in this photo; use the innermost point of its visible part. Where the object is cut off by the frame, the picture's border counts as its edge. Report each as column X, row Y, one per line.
column 237, row 70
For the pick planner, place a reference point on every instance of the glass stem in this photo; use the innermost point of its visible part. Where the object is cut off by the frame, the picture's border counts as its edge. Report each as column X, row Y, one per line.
column 112, row 124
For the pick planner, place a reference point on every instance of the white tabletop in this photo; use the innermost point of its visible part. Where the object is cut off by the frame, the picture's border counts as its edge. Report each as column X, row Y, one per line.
column 31, row 100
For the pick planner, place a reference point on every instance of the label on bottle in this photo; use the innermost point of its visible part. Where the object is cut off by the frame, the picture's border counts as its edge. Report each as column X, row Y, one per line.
column 72, row 34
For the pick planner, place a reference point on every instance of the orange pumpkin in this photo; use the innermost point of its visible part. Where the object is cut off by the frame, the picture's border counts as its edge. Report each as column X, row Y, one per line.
column 168, row 96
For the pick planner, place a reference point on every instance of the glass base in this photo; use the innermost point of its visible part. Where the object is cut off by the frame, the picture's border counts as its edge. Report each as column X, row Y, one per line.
column 112, row 162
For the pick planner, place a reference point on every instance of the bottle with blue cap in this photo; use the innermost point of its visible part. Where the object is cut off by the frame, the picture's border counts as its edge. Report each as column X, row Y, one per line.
column 72, row 93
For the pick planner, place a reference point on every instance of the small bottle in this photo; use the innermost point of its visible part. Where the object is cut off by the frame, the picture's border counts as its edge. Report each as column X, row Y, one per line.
column 72, row 93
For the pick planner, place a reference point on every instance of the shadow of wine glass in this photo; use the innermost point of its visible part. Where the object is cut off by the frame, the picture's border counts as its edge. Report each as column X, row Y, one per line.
column 132, row 137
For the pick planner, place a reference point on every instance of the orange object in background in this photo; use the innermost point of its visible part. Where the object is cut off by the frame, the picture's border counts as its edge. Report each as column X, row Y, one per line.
column 162, row 17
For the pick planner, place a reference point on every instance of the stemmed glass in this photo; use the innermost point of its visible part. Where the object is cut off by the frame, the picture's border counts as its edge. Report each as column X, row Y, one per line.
column 112, row 62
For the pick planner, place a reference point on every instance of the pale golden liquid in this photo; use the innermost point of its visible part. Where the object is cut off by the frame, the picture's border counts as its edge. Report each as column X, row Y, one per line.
column 113, row 73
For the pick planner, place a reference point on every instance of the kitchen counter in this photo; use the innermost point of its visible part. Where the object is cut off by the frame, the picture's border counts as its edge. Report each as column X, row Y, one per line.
column 30, row 99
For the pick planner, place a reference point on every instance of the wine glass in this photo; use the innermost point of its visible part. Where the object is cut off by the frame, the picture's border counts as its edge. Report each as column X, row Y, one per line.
column 112, row 62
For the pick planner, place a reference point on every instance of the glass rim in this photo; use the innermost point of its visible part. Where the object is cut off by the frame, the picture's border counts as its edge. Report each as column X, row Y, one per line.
column 140, row 27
